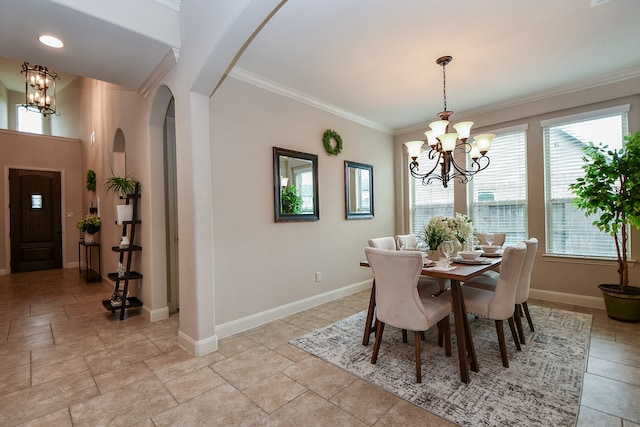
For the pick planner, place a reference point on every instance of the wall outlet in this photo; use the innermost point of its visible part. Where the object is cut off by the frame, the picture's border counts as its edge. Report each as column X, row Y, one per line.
column 318, row 276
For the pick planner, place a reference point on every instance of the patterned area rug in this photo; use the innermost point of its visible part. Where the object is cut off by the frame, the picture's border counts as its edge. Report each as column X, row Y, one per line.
column 541, row 387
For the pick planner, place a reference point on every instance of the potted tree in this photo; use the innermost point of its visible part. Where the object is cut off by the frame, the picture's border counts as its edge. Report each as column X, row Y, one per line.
column 122, row 186
column 611, row 188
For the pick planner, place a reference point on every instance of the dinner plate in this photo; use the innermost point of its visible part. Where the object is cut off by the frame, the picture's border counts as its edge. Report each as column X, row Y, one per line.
column 492, row 254
column 471, row 261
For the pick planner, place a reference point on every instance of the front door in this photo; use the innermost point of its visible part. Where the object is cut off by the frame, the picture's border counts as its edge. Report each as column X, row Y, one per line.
column 35, row 220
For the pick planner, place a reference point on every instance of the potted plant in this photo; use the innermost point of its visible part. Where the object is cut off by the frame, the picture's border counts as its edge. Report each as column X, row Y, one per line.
column 611, row 188
column 440, row 228
column 122, row 186
column 89, row 225
column 291, row 202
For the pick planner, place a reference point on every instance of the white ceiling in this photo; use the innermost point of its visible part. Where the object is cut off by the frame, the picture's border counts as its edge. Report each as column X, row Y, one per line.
column 373, row 60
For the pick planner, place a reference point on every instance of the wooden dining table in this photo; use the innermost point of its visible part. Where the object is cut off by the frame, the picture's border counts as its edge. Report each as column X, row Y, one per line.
column 461, row 273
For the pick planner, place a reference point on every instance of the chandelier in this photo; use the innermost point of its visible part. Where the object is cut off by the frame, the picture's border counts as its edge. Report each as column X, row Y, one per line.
column 444, row 144
column 40, row 89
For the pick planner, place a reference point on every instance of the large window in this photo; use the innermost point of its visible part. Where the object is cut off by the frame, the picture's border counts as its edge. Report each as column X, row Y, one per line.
column 427, row 201
column 569, row 232
column 28, row 121
column 497, row 196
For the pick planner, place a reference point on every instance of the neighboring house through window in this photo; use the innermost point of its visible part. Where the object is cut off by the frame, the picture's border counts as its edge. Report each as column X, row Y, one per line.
column 569, row 231
column 497, row 196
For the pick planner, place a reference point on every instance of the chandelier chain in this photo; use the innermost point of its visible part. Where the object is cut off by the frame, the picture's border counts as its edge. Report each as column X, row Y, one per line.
column 444, row 86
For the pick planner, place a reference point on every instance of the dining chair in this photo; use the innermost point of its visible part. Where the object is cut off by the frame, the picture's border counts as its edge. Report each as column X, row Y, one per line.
column 411, row 242
column 499, row 238
column 499, row 304
column 399, row 303
column 426, row 285
column 489, row 282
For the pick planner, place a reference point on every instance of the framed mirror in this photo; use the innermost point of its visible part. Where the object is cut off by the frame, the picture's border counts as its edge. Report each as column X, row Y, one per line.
column 358, row 190
column 295, row 182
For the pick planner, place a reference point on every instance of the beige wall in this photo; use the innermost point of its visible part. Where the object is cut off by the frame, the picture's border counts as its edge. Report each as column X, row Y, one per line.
column 259, row 264
column 554, row 278
column 27, row 151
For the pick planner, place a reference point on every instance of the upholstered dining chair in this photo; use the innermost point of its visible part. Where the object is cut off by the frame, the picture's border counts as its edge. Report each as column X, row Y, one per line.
column 398, row 302
column 426, row 285
column 411, row 242
column 498, row 305
column 489, row 282
column 388, row 243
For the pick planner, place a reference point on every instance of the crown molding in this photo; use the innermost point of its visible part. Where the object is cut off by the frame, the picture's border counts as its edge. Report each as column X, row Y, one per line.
column 271, row 86
column 168, row 61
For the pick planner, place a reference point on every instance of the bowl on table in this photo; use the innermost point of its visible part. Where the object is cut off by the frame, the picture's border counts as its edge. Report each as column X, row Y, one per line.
column 490, row 249
column 469, row 255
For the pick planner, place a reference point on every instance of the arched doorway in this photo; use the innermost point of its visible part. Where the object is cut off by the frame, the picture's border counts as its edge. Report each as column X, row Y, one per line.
column 163, row 208
column 171, row 207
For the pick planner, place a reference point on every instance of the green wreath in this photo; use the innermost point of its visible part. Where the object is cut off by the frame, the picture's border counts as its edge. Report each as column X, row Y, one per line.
column 330, row 134
column 91, row 180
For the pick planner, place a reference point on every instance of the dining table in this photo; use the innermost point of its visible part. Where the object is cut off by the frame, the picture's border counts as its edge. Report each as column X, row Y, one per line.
column 457, row 275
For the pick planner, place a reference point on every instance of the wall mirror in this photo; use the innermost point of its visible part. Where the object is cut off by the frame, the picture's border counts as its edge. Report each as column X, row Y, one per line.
column 295, row 180
column 358, row 189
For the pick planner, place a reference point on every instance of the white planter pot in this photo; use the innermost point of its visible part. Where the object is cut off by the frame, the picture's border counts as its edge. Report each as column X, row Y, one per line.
column 125, row 213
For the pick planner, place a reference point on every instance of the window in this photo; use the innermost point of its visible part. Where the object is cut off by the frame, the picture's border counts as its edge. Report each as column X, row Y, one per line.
column 427, row 201
column 569, row 232
column 28, row 121
column 303, row 178
column 497, row 196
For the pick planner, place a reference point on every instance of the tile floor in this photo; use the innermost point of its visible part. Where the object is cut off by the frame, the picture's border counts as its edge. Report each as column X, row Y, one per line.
column 65, row 361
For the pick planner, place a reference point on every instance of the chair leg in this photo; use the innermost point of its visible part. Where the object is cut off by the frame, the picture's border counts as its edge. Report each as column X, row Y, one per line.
column 376, row 345
column 447, row 336
column 404, row 335
column 440, row 334
column 423, row 337
column 514, row 334
column 416, row 339
column 526, row 312
column 503, row 348
column 517, row 315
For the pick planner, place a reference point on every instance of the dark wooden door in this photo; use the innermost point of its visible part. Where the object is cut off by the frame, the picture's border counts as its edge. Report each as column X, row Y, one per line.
column 36, row 220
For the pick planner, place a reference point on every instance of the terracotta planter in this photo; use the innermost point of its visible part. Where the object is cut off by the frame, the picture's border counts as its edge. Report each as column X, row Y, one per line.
column 623, row 306
column 433, row 255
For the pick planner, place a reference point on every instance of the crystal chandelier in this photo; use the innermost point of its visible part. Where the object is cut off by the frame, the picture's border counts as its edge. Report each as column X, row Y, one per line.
column 444, row 144
column 40, row 89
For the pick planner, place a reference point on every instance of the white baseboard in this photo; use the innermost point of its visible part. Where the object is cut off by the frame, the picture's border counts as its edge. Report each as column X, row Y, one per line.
column 157, row 314
column 3, row 272
column 75, row 264
column 197, row 348
column 564, row 298
column 231, row 328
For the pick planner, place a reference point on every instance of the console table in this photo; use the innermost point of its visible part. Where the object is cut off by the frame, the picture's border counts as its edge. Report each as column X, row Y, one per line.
column 89, row 273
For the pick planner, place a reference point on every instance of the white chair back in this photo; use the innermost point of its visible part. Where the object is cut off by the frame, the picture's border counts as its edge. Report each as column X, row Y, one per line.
column 503, row 302
column 388, row 243
column 524, row 282
column 410, row 240
column 397, row 300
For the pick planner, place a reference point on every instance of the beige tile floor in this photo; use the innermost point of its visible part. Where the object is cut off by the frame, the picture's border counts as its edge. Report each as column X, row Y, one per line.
column 65, row 361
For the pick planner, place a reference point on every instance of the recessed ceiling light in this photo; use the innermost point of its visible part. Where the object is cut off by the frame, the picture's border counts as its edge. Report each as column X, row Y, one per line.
column 51, row 41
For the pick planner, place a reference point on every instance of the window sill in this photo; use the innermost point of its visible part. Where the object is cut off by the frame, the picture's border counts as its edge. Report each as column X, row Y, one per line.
column 578, row 259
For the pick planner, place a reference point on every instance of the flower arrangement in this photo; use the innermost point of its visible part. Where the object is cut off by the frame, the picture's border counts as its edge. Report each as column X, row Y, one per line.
column 441, row 228
column 89, row 224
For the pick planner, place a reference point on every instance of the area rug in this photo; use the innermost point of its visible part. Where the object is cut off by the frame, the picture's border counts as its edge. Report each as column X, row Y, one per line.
column 541, row 387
